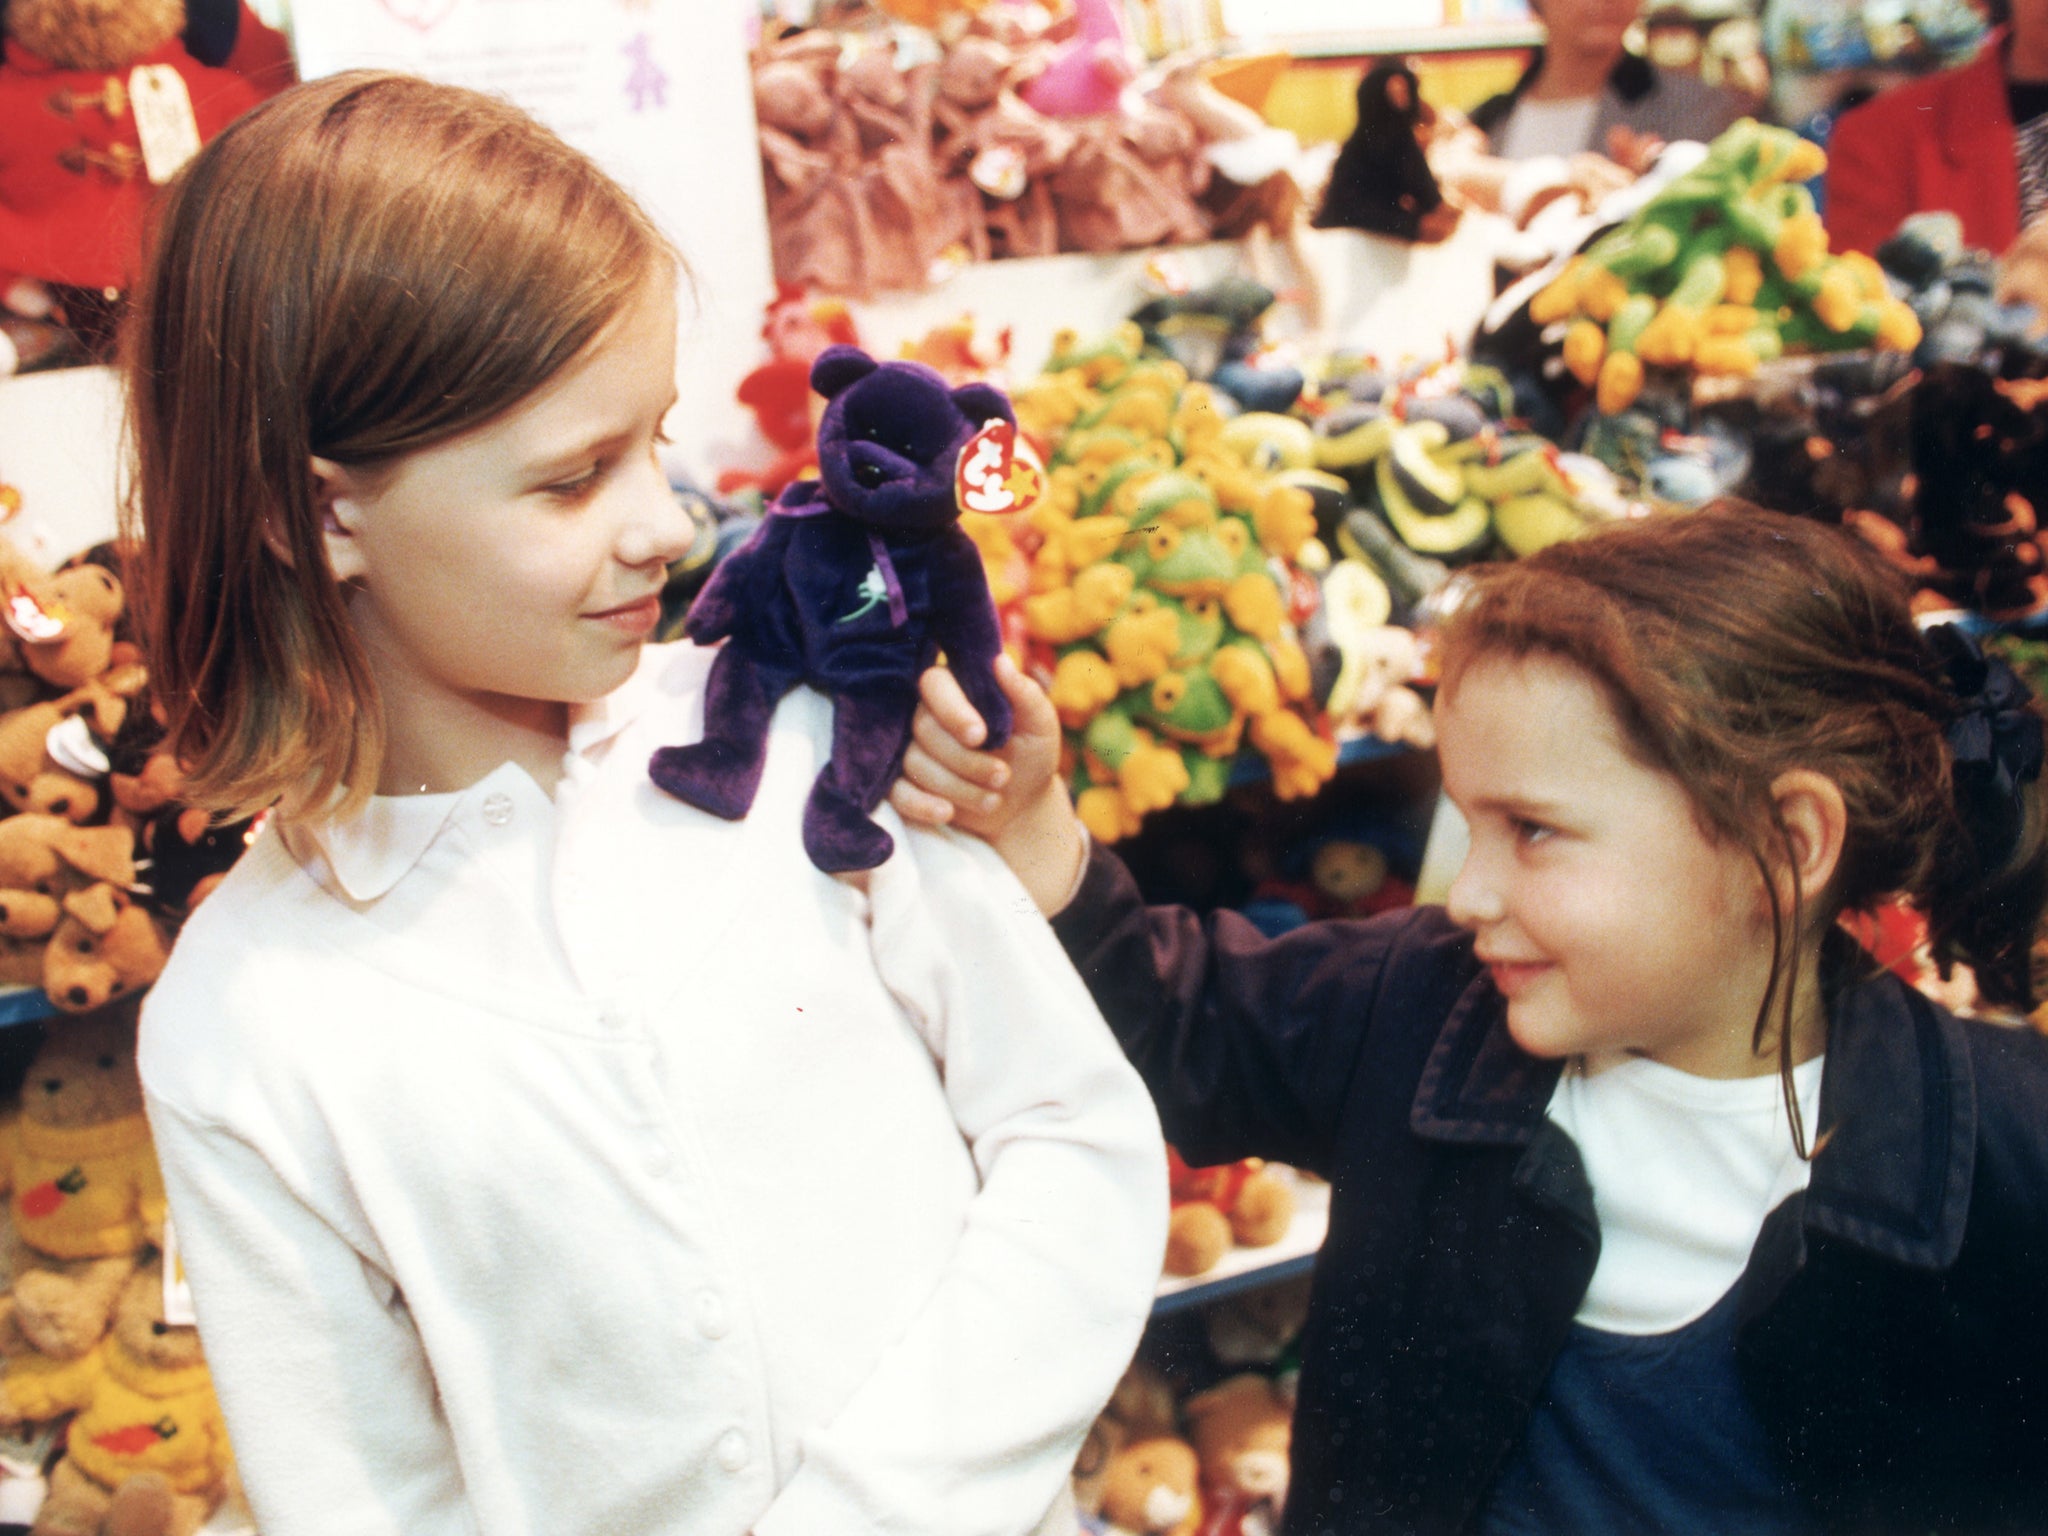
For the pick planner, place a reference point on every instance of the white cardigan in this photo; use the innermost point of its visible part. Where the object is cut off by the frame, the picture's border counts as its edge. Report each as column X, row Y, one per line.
column 593, row 1167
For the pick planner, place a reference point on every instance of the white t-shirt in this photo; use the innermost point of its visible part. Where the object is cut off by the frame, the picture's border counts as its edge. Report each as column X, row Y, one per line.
column 1684, row 1170
column 1548, row 128
column 589, row 1166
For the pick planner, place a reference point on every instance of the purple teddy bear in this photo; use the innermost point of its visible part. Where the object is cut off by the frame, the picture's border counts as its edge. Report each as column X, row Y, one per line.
column 854, row 583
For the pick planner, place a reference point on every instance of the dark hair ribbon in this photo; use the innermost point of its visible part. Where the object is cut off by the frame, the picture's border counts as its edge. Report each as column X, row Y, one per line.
column 1996, row 735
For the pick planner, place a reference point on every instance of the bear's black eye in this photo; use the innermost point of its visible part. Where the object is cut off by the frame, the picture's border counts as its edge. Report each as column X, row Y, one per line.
column 106, row 1063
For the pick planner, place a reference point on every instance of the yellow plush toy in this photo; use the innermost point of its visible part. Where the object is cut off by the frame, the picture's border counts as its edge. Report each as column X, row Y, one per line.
column 152, row 1411
column 87, row 1199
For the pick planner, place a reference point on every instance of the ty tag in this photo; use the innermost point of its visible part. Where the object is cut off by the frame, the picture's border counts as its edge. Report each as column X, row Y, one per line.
column 163, row 119
column 996, row 473
column 178, row 1311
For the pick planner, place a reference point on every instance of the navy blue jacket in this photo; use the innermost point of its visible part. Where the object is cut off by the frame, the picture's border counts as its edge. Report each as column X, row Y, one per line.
column 1894, row 1316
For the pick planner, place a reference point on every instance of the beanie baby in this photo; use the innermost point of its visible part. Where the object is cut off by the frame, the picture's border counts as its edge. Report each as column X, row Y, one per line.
column 854, row 583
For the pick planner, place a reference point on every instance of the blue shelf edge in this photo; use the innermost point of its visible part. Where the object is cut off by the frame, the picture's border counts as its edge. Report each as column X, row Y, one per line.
column 24, row 1005
column 1230, row 1285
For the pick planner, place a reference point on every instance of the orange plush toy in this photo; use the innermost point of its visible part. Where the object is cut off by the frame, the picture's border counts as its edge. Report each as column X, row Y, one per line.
column 1243, row 1203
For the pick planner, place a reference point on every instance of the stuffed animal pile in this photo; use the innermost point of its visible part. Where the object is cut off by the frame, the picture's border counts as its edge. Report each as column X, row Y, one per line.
column 1215, row 1464
column 1725, row 267
column 1160, row 589
column 84, row 1343
column 99, row 859
column 1026, row 131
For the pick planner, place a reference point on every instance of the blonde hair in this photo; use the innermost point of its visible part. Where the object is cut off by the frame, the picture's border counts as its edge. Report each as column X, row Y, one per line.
column 361, row 267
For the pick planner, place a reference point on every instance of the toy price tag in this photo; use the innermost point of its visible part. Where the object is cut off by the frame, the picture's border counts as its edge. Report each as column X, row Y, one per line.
column 996, row 473
column 29, row 619
column 999, row 171
column 177, row 1289
column 163, row 119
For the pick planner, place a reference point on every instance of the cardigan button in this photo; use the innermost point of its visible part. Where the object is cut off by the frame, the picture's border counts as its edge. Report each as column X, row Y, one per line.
column 733, row 1450
column 711, row 1319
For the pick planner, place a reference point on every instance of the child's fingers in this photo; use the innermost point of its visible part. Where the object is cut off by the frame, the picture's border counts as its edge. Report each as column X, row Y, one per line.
column 947, row 753
column 943, row 778
column 943, row 696
column 1033, row 707
column 919, row 807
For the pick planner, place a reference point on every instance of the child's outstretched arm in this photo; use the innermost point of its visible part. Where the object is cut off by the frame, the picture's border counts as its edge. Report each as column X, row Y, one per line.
column 1012, row 798
column 1248, row 1044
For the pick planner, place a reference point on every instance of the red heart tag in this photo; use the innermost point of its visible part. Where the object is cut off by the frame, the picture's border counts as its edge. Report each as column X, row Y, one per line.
column 996, row 472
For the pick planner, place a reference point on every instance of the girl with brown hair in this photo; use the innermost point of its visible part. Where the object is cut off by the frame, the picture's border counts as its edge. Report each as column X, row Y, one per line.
column 548, row 1156
column 1655, row 1206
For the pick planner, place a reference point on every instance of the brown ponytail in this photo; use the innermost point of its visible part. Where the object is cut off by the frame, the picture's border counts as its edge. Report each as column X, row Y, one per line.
column 1735, row 645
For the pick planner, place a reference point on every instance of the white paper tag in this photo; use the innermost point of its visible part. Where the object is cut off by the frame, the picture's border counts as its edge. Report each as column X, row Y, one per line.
column 163, row 119
column 177, row 1289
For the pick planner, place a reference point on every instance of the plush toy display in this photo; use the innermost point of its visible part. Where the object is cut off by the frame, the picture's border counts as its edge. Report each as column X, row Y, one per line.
column 1243, row 1430
column 997, row 152
column 99, row 104
column 1245, row 1204
column 1151, row 1488
column 1159, row 569
column 86, row 1196
column 1381, row 181
column 150, row 1413
column 778, row 393
column 48, row 864
column 820, row 229
column 1725, row 267
column 855, row 583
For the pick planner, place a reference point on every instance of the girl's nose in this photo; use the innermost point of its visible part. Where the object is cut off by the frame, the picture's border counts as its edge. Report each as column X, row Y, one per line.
column 1473, row 900
column 656, row 529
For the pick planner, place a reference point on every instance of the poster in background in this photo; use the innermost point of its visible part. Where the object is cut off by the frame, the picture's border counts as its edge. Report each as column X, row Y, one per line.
column 656, row 91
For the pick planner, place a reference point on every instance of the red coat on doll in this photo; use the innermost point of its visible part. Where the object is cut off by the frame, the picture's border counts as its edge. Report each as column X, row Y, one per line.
column 72, row 180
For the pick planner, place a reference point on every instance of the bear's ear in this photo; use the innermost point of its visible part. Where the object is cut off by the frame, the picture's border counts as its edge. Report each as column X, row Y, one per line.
column 979, row 402
column 839, row 366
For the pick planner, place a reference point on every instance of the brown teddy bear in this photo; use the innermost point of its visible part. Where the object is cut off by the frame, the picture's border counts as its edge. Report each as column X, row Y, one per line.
column 151, row 1413
column 1150, row 1489
column 43, row 861
column 1142, row 1407
column 87, row 1199
column 1244, row 1203
column 1243, row 1433
column 32, row 778
column 106, row 945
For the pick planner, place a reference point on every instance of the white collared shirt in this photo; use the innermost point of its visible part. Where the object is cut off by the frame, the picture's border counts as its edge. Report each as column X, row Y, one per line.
column 594, row 1167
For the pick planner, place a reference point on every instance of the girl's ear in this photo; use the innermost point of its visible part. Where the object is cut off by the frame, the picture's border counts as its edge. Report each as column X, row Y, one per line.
column 335, row 494
column 1816, row 822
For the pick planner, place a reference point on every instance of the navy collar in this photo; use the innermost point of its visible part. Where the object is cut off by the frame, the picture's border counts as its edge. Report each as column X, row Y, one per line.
column 1898, row 1113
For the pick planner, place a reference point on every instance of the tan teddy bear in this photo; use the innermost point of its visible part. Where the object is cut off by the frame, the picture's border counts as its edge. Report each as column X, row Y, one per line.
column 1243, row 1433
column 44, row 860
column 31, row 778
column 105, row 946
column 152, row 1412
column 1246, row 1204
column 87, row 1199
column 1149, row 1489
